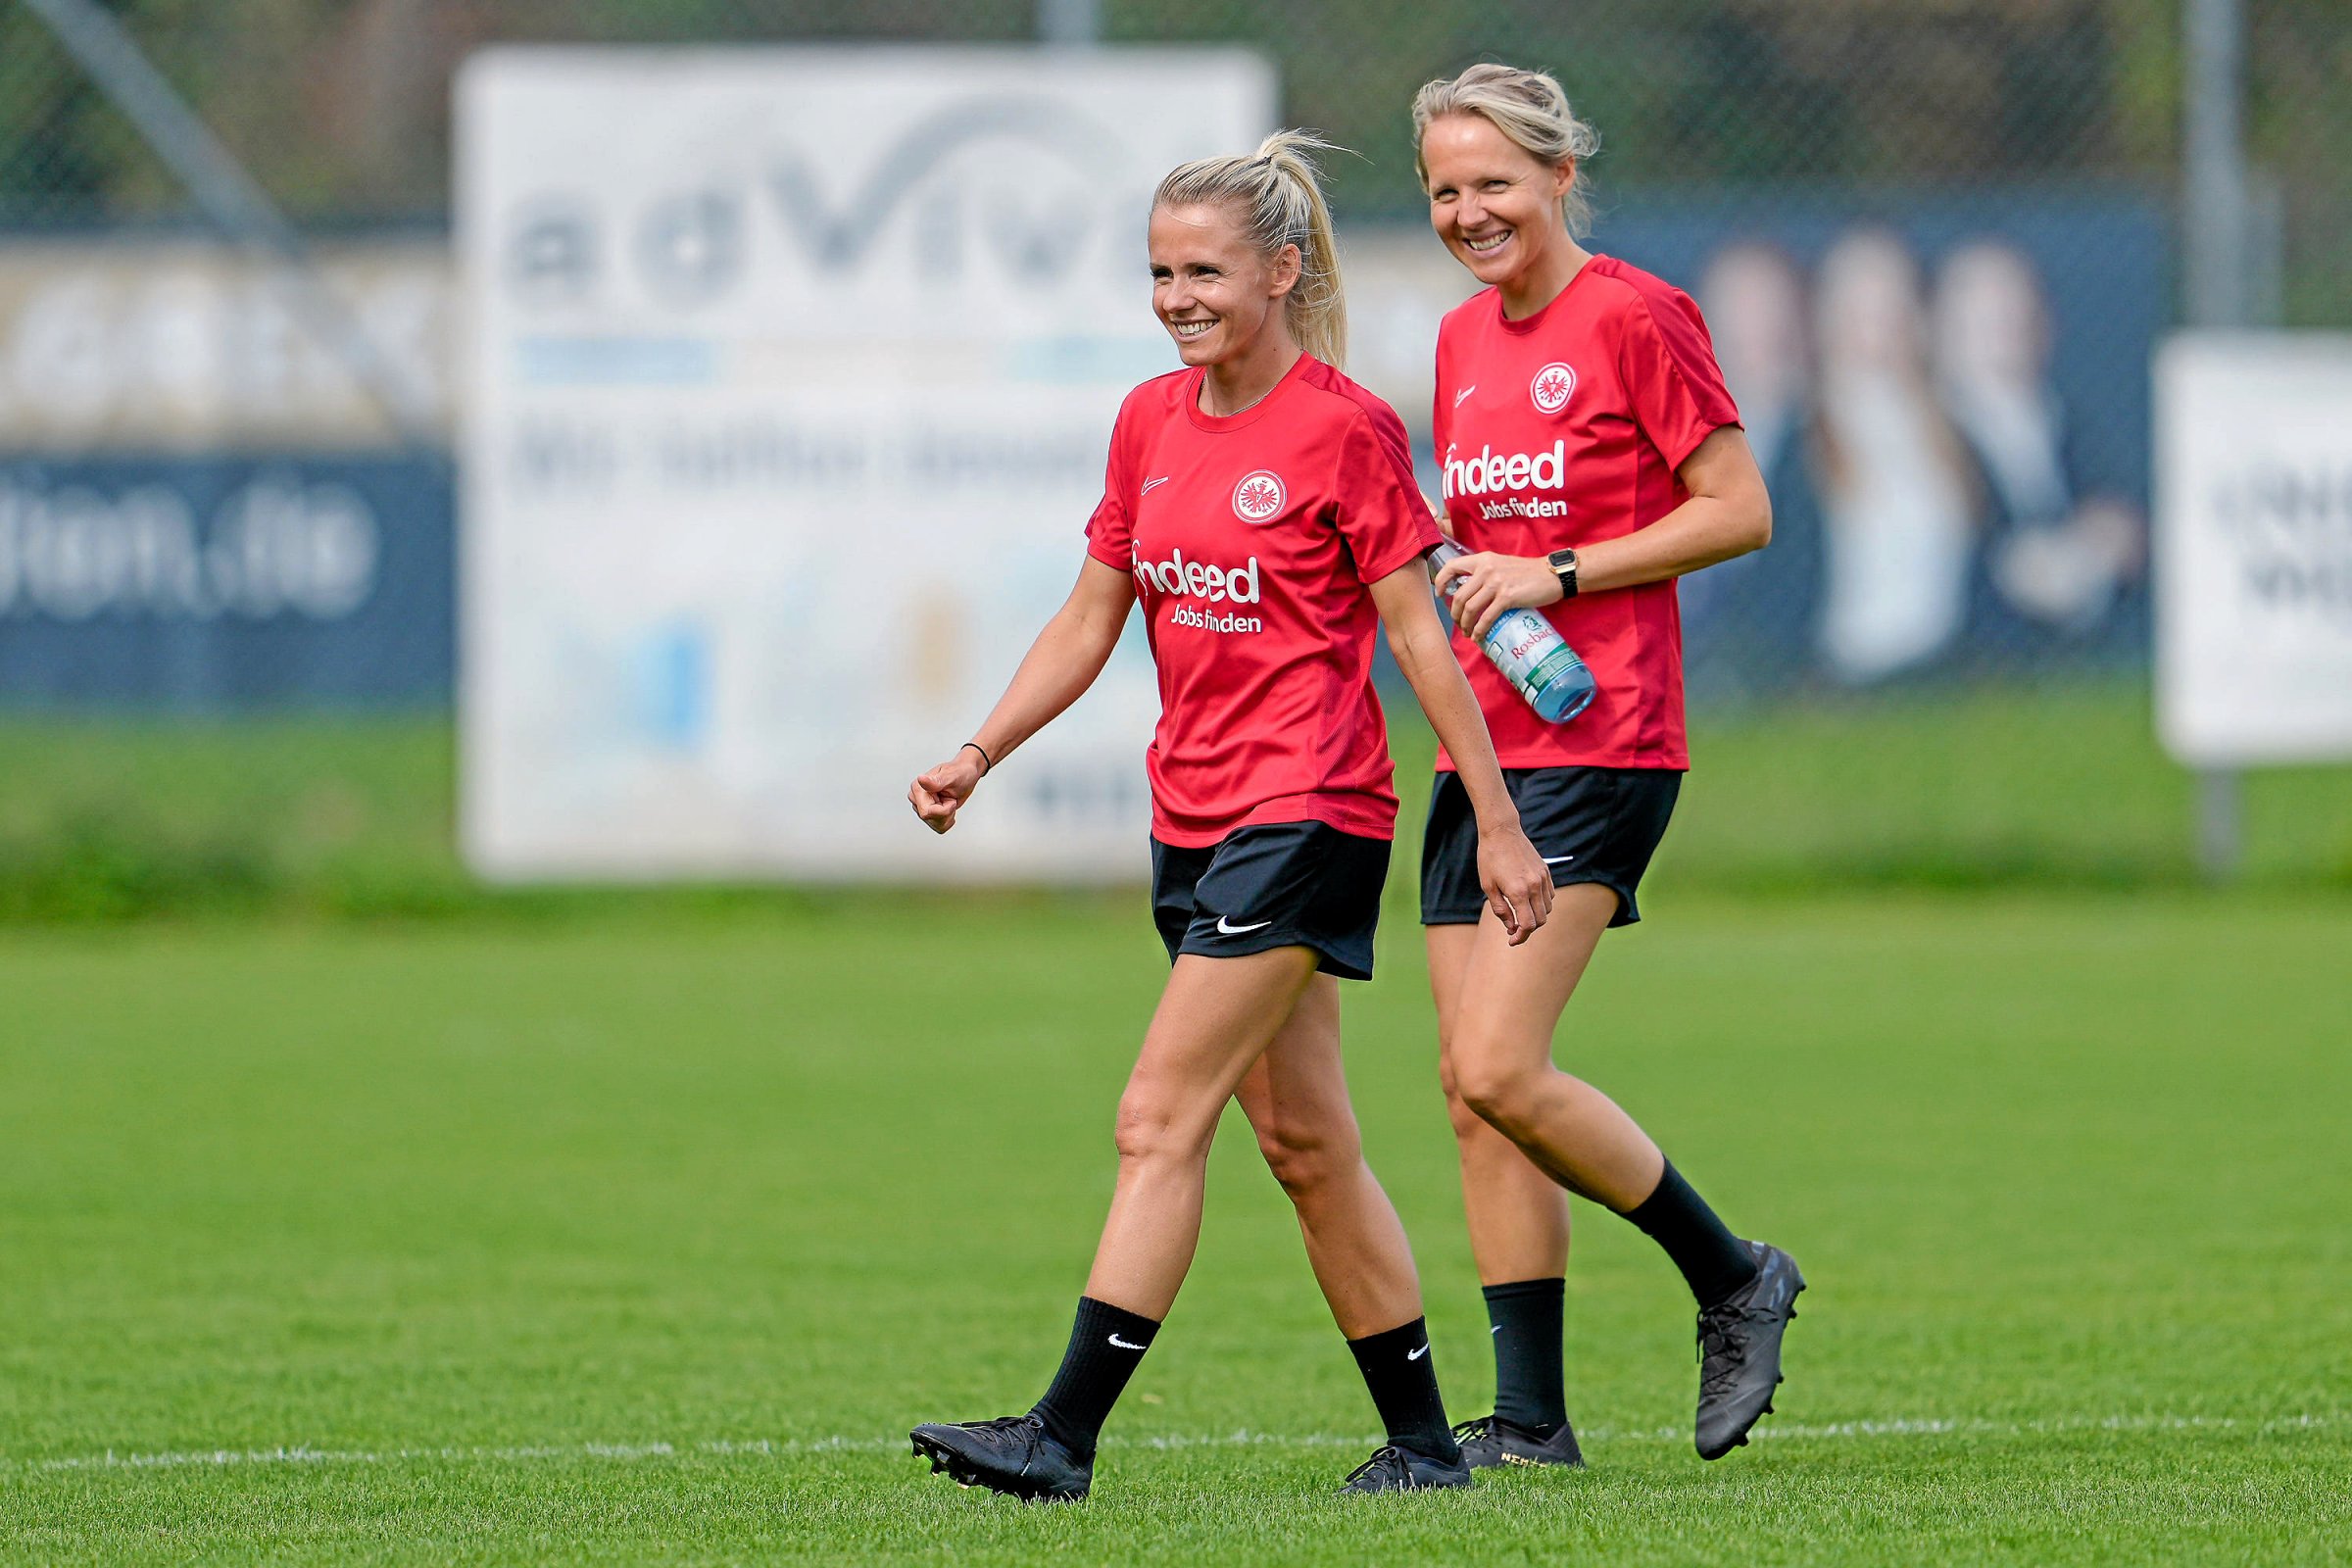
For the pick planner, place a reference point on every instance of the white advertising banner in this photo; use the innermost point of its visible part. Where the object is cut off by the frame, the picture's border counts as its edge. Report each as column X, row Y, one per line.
column 2254, row 546
column 790, row 377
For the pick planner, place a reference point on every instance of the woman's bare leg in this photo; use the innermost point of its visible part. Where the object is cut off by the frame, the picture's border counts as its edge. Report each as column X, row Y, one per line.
column 1297, row 1099
column 1217, row 1017
column 1214, row 1020
column 1497, row 1067
column 1498, row 1055
column 1296, row 1102
column 1518, row 1216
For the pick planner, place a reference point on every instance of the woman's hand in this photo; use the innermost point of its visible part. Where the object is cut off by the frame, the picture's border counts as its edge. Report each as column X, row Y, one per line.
column 1518, row 883
column 1492, row 584
column 938, row 795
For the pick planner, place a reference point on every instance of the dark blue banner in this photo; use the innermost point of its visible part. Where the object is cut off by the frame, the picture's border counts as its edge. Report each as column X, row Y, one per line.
column 218, row 583
column 1949, row 398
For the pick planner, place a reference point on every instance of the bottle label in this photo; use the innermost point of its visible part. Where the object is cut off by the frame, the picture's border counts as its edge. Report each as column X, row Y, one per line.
column 1559, row 661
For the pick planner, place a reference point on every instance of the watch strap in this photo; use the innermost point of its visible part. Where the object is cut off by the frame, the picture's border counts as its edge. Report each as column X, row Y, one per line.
column 1563, row 567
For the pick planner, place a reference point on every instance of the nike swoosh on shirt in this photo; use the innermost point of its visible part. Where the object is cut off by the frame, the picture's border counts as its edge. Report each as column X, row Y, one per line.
column 1226, row 928
column 1150, row 484
column 1554, row 859
column 1415, row 1355
column 1463, row 393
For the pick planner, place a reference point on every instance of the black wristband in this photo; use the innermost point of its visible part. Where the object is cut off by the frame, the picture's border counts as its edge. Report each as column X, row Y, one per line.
column 987, row 763
column 1563, row 567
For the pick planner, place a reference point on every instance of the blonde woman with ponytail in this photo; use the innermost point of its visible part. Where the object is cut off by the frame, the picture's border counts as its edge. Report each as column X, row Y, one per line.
column 1590, row 455
column 1261, row 509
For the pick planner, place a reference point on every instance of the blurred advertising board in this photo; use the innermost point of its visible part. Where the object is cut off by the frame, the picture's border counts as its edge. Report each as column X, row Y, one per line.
column 2254, row 584
column 790, row 379
column 1948, row 395
column 199, row 508
column 161, row 344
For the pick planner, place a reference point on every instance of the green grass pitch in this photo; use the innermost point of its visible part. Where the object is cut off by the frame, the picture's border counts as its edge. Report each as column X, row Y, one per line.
column 643, row 1238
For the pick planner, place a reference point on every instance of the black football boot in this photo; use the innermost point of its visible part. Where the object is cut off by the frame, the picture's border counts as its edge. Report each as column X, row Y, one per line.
column 1739, row 1352
column 1394, row 1469
column 1012, row 1455
column 1491, row 1440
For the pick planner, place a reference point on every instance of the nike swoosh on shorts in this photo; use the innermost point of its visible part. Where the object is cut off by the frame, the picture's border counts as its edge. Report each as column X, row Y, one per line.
column 1226, row 928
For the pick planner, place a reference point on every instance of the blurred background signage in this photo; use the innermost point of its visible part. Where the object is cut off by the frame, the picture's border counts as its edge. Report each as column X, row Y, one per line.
column 2254, row 632
column 199, row 508
column 791, row 378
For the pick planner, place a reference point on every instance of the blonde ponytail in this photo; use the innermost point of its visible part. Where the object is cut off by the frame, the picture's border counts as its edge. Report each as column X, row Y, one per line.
column 1279, row 193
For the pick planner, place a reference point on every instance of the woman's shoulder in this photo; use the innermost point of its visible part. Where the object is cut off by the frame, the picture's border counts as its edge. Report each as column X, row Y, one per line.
column 1344, row 400
column 1163, row 392
column 1477, row 310
column 1625, row 289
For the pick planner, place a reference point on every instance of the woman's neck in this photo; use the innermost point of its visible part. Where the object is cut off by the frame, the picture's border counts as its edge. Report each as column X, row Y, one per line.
column 1544, row 281
column 1231, row 385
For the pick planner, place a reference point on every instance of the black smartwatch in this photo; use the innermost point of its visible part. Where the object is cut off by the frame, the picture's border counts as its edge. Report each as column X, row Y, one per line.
column 1563, row 567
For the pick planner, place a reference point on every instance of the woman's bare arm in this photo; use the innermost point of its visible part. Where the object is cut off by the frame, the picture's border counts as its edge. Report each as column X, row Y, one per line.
column 1063, row 662
column 1727, row 514
column 1517, row 883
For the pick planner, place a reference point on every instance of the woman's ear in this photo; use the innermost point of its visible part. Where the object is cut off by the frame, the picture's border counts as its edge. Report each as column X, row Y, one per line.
column 1563, row 177
column 1282, row 273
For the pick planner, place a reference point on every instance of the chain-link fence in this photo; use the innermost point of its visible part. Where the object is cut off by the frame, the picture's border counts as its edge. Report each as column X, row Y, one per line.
column 342, row 109
column 1936, row 241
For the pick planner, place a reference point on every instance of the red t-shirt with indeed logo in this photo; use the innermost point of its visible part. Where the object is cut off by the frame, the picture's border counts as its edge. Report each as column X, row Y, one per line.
column 1560, row 429
column 1252, row 539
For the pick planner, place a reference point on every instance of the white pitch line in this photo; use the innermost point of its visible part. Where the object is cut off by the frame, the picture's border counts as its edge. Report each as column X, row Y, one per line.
column 784, row 1448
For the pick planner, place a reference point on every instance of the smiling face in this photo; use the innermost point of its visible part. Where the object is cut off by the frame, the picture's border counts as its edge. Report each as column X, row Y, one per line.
column 1494, row 204
column 1211, row 289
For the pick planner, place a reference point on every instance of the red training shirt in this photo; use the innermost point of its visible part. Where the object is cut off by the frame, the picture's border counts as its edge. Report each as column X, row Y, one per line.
column 1561, row 429
column 1252, row 539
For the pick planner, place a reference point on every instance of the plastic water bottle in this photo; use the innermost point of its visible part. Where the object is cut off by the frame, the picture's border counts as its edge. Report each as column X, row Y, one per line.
column 1530, row 653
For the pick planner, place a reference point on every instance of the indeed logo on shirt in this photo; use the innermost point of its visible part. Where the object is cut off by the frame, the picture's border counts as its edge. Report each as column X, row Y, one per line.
column 1196, row 581
column 1490, row 471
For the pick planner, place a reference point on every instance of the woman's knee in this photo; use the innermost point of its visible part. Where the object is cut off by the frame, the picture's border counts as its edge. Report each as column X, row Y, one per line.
column 1467, row 1123
column 1154, row 1126
column 1307, row 1155
column 1497, row 1087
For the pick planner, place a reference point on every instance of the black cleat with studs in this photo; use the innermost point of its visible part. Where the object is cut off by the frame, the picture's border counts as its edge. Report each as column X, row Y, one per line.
column 1491, row 1440
column 1396, row 1469
column 1739, row 1352
column 1012, row 1455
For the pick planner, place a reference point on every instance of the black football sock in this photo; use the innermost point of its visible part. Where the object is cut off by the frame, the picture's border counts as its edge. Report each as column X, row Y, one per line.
column 1530, row 1389
column 1397, row 1368
column 1105, row 1344
column 1714, row 1262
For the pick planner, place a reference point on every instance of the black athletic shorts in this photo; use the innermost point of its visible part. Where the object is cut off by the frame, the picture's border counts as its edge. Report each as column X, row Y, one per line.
column 1592, row 824
column 1276, row 885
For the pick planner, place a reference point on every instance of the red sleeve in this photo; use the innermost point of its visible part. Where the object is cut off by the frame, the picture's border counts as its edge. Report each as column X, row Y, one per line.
column 1668, row 367
column 1110, row 531
column 1380, row 510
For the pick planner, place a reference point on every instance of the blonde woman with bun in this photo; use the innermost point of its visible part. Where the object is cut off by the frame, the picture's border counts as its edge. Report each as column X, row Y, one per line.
column 1591, row 457
column 1260, row 508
